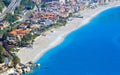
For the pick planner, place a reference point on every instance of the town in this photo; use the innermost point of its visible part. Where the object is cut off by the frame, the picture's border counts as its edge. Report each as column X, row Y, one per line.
column 21, row 21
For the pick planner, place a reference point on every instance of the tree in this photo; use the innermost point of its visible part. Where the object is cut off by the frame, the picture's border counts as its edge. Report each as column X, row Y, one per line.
column 18, row 9
column 37, row 6
column 44, row 5
column 4, row 37
column 27, row 3
column 10, row 18
column 70, row 15
column 2, row 5
column 6, row 2
column 62, row 21
column 27, row 37
column 1, row 59
column 1, row 50
column 16, row 60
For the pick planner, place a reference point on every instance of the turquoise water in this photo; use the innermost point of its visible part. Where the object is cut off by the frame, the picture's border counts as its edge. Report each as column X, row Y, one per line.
column 93, row 49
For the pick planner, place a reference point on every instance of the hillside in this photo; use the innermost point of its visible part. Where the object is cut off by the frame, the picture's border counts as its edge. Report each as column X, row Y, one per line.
column 2, row 5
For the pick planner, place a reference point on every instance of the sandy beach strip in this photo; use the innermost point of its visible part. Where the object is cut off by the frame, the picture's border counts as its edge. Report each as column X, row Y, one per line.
column 44, row 43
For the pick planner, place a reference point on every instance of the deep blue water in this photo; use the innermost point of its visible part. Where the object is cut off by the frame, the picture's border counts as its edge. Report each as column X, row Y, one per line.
column 93, row 49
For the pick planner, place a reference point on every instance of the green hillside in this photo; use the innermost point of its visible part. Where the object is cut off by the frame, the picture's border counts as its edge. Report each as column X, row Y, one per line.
column 2, row 5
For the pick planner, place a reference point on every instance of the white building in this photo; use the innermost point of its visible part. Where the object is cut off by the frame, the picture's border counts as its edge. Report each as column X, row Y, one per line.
column 62, row 1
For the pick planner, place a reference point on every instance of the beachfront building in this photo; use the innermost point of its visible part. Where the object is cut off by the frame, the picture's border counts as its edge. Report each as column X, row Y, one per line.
column 103, row 1
column 19, row 32
column 16, row 35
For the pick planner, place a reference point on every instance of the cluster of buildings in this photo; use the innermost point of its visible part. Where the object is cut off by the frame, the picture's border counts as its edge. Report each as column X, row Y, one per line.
column 51, row 14
column 60, row 8
column 42, row 18
column 46, row 16
column 65, row 1
column 16, row 35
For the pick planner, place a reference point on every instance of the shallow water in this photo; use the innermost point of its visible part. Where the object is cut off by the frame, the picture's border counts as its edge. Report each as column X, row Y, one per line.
column 93, row 49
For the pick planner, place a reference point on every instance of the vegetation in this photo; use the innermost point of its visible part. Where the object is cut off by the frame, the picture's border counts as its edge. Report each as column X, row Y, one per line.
column 1, row 54
column 6, row 2
column 2, row 5
column 18, row 9
column 1, row 32
column 10, row 18
column 26, row 40
column 4, row 37
column 16, row 60
column 62, row 21
column 70, row 15
column 44, row 5
column 1, row 59
column 27, row 3
column 27, row 37
column 1, row 50
column 14, row 50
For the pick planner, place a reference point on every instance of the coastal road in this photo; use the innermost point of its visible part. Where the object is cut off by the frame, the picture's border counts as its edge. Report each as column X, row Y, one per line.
column 15, row 5
column 12, row 5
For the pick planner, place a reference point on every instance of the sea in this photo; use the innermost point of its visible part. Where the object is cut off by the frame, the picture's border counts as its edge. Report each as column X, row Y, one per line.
column 93, row 49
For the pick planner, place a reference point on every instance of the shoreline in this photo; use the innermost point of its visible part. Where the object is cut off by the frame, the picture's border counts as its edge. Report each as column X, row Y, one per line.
column 43, row 44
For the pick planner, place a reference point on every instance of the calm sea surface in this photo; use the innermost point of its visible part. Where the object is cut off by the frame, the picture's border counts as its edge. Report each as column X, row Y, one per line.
column 93, row 49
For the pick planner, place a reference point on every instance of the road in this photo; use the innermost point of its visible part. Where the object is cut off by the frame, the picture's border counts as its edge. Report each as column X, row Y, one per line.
column 11, row 7
column 15, row 5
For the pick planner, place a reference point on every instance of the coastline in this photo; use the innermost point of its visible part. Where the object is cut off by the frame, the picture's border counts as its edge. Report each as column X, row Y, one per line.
column 44, row 43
